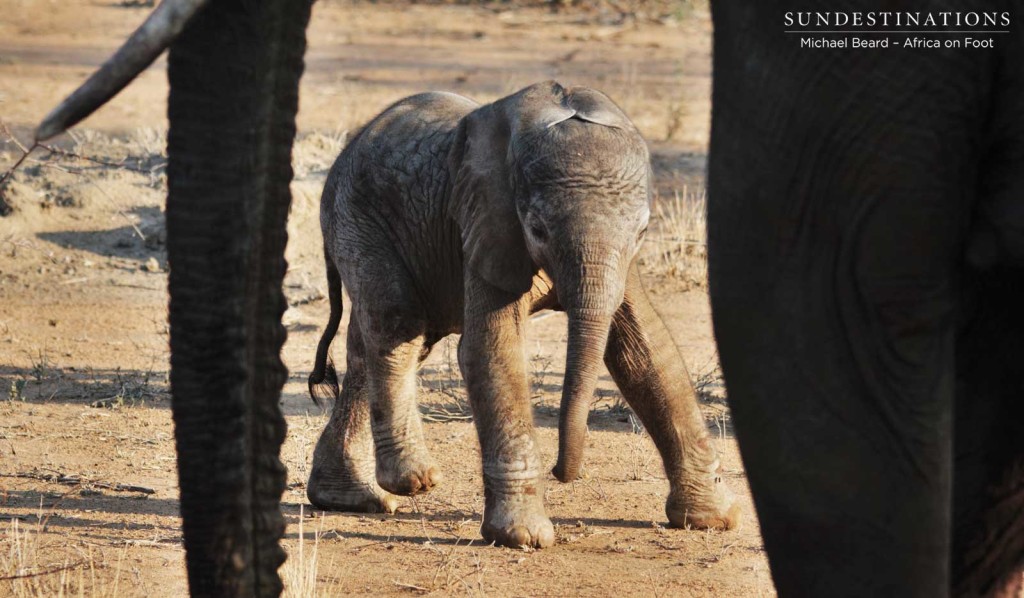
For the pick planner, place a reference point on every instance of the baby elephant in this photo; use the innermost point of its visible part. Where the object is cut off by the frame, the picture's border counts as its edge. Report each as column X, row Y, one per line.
column 443, row 216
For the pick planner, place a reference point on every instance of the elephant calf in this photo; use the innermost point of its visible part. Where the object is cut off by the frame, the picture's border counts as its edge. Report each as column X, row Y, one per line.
column 443, row 216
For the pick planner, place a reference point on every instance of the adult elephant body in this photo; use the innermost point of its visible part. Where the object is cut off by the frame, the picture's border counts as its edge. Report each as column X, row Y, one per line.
column 443, row 216
column 866, row 247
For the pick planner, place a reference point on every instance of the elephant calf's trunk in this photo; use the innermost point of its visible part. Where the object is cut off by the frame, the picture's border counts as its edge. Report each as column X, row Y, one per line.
column 588, row 335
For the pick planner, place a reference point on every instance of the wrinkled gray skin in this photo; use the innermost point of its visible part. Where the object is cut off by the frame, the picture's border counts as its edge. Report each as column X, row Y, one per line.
column 866, row 260
column 443, row 216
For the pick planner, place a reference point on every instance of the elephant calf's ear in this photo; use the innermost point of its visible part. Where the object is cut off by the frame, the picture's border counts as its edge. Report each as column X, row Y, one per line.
column 483, row 203
column 595, row 107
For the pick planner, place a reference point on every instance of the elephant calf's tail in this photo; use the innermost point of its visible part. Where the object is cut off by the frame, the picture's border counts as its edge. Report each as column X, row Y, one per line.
column 323, row 380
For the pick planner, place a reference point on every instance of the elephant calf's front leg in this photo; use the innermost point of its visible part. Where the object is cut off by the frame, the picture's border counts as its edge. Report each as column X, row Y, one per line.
column 494, row 366
column 648, row 369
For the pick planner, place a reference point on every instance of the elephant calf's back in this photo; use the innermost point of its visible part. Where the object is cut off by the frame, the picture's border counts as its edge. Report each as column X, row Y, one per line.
column 386, row 200
column 400, row 157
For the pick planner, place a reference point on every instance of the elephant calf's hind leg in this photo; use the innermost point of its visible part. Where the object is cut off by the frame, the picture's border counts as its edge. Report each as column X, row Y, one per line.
column 343, row 476
column 403, row 464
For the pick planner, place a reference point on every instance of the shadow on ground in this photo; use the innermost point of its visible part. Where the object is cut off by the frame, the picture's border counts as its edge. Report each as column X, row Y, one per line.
column 139, row 242
column 100, row 388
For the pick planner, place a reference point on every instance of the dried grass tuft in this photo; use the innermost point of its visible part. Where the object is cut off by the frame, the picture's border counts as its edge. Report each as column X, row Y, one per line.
column 679, row 246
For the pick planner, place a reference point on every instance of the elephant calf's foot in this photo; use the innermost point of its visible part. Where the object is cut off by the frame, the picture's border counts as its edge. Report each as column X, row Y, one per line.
column 706, row 505
column 359, row 498
column 406, row 475
column 342, row 476
column 333, row 494
column 517, row 520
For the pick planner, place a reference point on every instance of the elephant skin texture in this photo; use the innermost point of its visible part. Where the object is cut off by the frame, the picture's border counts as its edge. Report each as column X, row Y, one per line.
column 866, row 266
column 444, row 216
column 234, row 76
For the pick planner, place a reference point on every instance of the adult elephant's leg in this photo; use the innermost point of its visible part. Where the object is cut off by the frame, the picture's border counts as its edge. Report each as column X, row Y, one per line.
column 988, row 500
column 234, row 77
column 988, row 541
column 840, row 186
column 493, row 363
column 343, row 477
column 647, row 367
column 838, row 364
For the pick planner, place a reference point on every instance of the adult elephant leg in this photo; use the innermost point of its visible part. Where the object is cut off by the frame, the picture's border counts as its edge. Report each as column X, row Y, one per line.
column 988, row 500
column 988, row 541
column 234, row 77
column 647, row 367
column 493, row 363
column 834, row 274
column 839, row 372
column 343, row 477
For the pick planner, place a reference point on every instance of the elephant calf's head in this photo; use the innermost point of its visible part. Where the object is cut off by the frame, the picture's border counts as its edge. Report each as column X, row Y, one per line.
column 558, row 179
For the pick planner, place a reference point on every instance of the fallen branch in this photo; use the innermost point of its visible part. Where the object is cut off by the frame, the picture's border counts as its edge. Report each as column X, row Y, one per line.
column 157, row 542
column 68, row 480
column 440, row 415
column 73, row 155
column 6, row 208
column 10, row 172
column 123, row 487
column 64, row 153
column 46, row 572
column 409, row 586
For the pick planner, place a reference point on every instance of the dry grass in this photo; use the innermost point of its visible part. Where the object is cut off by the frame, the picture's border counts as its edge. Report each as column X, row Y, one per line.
column 150, row 141
column 314, row 153
column 301, row 572
column 642, row 452
column 541, row 366
column 442, row 391
column 31, row 567
column 678, row 245
column 457, row 571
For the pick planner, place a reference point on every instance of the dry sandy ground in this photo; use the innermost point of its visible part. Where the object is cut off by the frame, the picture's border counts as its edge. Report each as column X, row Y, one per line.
column 83, row 335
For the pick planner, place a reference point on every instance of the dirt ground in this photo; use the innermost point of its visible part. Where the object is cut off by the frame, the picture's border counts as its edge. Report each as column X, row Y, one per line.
column 88, row 494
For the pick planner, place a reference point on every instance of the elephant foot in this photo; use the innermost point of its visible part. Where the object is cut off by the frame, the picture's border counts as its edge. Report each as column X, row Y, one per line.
column 342, row 477
column 406, row 475
column 517, row 520
column 358, row 497
column 708, row 505
column 718, row 519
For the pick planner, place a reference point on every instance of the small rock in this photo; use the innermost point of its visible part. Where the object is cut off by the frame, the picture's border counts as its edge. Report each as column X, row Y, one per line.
column 151, row 265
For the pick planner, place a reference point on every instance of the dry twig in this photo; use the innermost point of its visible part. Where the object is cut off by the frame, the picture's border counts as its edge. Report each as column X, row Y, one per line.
column 5, row 208
column 74, row 565
column 68, row 480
